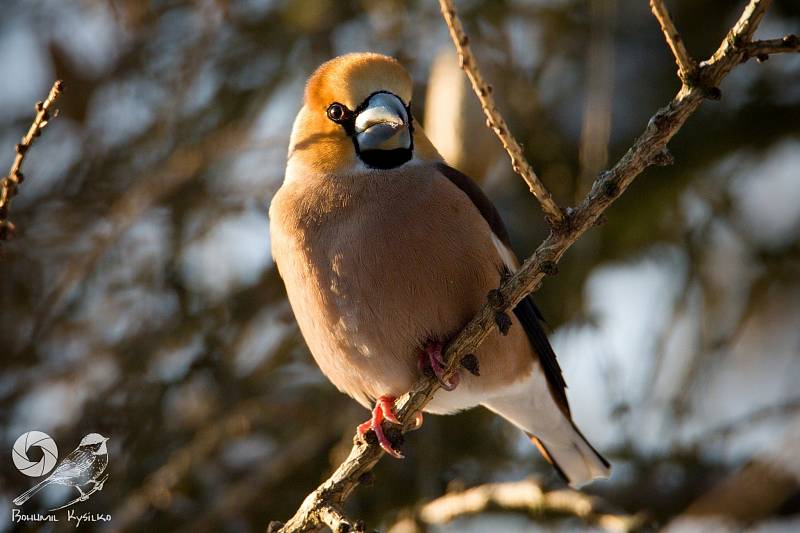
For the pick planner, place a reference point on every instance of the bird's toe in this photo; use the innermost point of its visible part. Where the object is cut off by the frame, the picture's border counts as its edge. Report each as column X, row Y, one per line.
column 384, row 410
column 432, row 362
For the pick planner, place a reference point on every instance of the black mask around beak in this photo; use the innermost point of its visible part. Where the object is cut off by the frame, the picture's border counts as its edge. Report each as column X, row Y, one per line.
column 382, row 131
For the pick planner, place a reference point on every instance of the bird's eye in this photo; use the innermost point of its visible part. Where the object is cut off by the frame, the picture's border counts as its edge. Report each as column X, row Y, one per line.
column 336, row 112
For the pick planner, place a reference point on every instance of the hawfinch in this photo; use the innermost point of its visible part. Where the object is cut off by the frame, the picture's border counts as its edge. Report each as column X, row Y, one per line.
column 387, row 252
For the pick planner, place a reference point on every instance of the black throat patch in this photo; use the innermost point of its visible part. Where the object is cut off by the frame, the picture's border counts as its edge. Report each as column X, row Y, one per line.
column 384, row 159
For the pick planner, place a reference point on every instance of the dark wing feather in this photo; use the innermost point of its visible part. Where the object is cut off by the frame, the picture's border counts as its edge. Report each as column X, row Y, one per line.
column 526, row 311
column 529, row 316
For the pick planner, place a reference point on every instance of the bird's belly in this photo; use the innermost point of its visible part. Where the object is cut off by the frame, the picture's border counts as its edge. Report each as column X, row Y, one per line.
column 341, row 324
column 364, row 315
column 369, row 288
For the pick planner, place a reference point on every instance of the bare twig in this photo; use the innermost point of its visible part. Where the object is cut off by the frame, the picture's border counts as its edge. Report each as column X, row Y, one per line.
column 732, row 46
column 494, row 119
column 526, row 496
column 10, row 183
column 761, row 50
column 686, row 65
column 647, row 149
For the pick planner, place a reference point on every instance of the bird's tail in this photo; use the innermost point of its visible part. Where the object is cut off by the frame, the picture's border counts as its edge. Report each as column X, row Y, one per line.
column 575, row 460
column 532, row 409
column 25, row 496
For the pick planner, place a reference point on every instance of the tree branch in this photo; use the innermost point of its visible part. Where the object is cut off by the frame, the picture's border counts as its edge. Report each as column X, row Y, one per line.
column 761, row 50
column 494, row 119
column 333, row 517
column 525, row 496
column 10, row 183
column 648, row 149
column 731, row 49
column 687, row 66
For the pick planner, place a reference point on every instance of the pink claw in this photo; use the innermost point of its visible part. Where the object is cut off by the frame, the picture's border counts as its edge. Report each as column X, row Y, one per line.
column 431, row 355
column 384, row 409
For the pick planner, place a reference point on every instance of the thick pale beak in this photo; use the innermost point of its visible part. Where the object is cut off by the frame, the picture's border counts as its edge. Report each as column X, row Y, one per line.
column 383, row 124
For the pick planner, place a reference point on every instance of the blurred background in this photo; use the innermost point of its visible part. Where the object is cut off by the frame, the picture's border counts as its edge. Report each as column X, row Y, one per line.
column 139, row 299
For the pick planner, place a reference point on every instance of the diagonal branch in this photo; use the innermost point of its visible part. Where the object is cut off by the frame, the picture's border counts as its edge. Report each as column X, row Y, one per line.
column 731, row 50
column 10, row 183
column 494, row 119
column 687, row 66
column 648, row 149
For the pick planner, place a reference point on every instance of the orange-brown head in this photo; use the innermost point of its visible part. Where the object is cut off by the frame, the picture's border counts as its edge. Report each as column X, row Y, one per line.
column 357, row 114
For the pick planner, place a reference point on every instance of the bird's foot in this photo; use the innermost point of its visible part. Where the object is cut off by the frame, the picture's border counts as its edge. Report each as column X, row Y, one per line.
column 430, row 358
column 384, row 410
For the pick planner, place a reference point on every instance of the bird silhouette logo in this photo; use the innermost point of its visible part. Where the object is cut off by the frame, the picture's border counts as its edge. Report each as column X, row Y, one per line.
column 84, row 468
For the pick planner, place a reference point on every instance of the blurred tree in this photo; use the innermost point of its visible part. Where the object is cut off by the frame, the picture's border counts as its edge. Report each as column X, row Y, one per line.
column 138, row 298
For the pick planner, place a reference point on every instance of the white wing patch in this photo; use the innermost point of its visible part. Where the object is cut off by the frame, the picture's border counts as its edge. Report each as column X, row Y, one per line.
column 509, row 260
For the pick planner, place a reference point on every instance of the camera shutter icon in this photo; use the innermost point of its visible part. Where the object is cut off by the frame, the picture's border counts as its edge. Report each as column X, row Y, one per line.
column 20, row 453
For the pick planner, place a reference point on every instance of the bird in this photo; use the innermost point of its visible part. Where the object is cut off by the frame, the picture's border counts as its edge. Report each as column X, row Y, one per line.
column 386, row 252
column 85, row 464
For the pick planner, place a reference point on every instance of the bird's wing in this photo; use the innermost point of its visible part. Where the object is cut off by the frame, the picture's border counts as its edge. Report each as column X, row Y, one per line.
column 526, row 311
column 476, row 194
column 73, row 465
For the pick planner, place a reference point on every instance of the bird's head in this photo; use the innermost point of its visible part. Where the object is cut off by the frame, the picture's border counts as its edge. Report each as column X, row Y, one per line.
column 357, row 113
column 94, row 442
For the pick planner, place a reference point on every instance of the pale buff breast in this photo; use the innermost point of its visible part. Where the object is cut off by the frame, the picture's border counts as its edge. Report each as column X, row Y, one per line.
column 377, row 263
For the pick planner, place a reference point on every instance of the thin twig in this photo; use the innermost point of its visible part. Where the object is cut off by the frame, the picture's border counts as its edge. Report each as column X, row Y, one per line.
column 647, row 149
column 686, row 65
column 733, row 45
column 761, row 50
column 10, row 183
column 494, row 119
